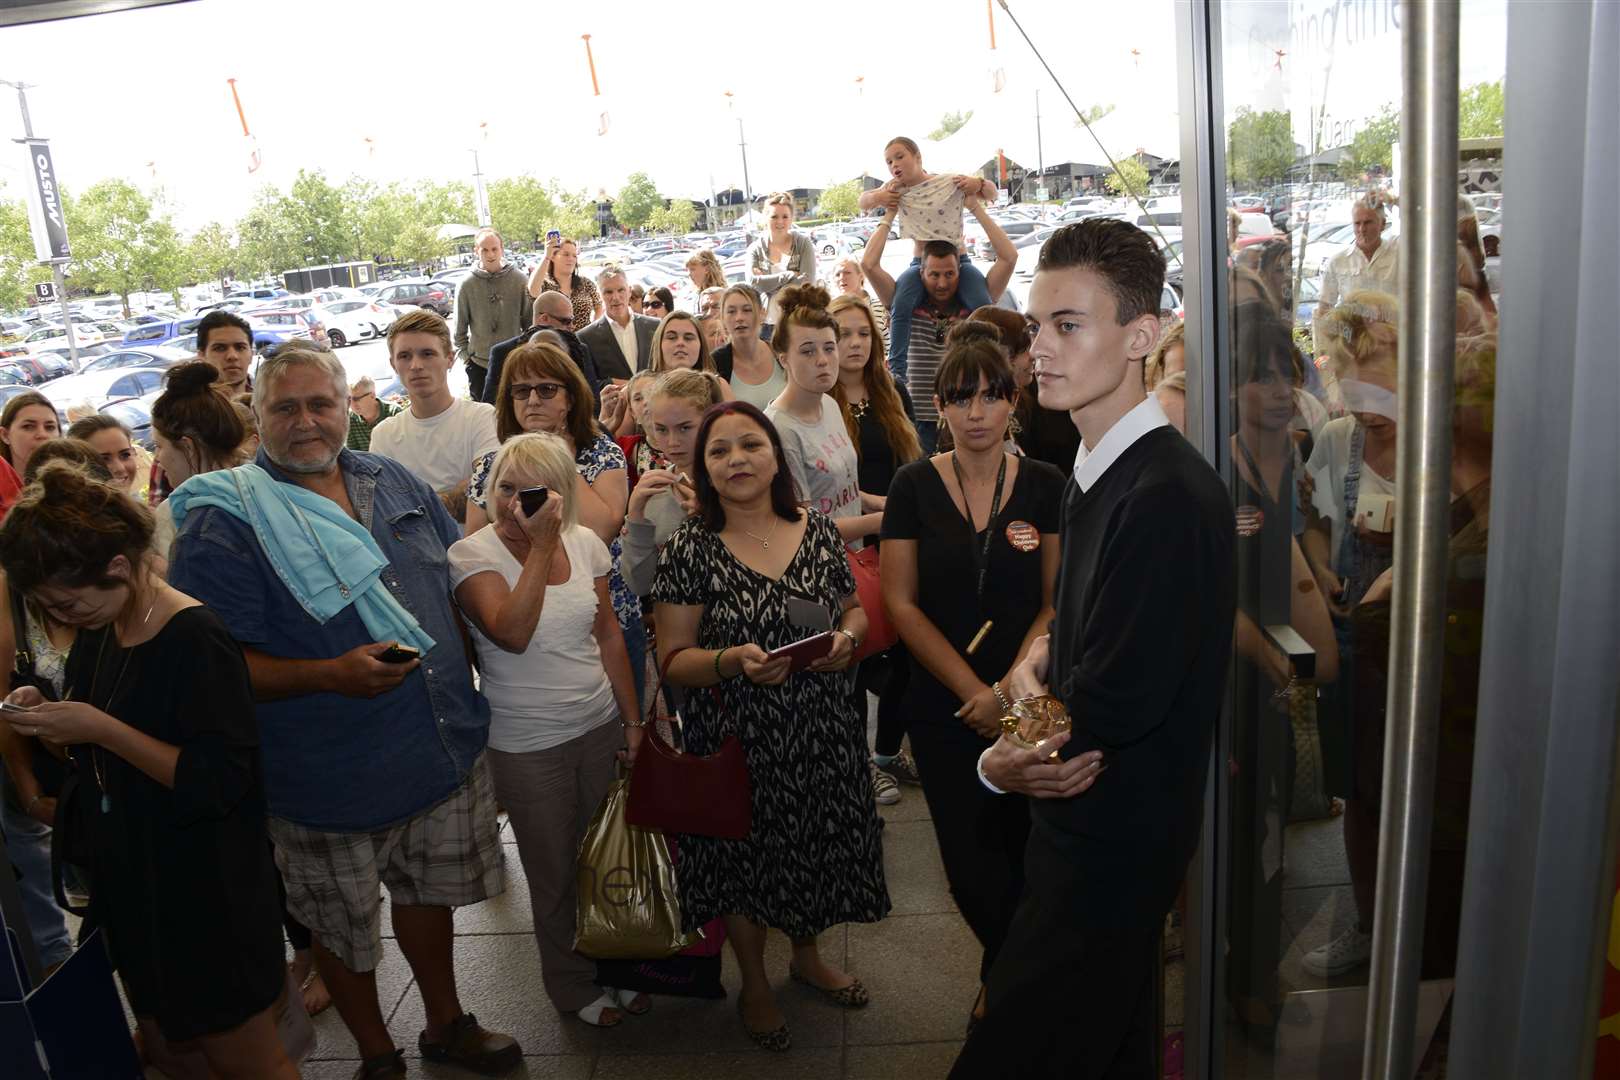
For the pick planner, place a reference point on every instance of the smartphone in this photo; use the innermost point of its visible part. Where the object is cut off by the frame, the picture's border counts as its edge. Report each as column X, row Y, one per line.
column 400, row 654
column 532, row 499
column 6, row 706
column 1376, row 511
column 805, row 652
column 553, row 235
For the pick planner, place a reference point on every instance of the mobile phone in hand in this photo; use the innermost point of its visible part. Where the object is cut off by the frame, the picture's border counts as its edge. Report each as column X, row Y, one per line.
column 6, row 706
column 553, row 235
column 532, row 499
column 400, row 654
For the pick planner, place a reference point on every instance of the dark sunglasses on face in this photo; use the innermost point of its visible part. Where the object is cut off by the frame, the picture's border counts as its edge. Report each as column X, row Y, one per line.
column 963, row 399
column 546, row 390
column 659, row 304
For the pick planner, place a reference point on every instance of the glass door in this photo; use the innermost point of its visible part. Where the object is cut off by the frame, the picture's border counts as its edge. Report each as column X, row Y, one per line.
column 1306, row 382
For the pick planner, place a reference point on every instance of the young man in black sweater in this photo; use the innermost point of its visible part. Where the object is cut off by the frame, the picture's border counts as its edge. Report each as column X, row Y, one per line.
column 1138, row 652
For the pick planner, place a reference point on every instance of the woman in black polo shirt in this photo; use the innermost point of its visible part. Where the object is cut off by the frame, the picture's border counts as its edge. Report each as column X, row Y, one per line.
column 970, row 557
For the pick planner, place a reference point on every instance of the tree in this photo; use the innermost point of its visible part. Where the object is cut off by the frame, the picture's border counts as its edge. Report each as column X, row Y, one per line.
column 317, row 212
column 1130, row 178
column 521, row 208
column 636, row 202
column 841, row 200
column 677, row 217
column 1479, row 111
column 1260, row 147
column 18, row 268
column 211, row 253
column 576, row 212
column 1370, row 149
column 1092, row 115
column 950, row 124
column 122, row 244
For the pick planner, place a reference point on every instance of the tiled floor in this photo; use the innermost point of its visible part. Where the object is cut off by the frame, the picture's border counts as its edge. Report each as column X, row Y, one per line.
column 920, row 965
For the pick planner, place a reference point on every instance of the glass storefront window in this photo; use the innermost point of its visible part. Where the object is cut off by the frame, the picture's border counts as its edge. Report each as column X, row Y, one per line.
column 1313, row 179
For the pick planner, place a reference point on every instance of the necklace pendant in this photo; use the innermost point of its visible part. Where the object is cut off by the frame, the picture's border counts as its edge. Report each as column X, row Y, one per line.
column 106, row 803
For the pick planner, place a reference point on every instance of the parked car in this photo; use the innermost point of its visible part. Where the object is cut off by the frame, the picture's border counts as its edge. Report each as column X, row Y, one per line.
column 272, row 326
column 152, row 356
column 100, row 387
column 348, row 321
column 12, row 375
column 256, row 293
column 45, row 366
column 186, row 344
column 159, row 332
column 419, row 293
column 85, row 333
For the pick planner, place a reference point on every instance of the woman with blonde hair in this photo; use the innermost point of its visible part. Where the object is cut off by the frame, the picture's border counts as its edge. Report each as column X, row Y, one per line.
column 1168, row 356
column 534, row 586
column 542, row 389
column 851, row 281
column 746, row 361
column 679, row 343
column 705, row 272
column 559, row 272
column 783, row 256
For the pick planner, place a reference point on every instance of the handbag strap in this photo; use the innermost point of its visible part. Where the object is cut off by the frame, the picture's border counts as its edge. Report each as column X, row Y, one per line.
column 24, row 662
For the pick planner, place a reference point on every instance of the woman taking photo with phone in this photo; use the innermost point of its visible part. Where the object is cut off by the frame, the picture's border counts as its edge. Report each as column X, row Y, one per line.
column 534, row 586
column 169, row 774
column 970, row 558
column 742, row 578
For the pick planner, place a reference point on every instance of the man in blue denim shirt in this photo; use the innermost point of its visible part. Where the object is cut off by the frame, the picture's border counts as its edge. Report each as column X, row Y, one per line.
column 373, row 770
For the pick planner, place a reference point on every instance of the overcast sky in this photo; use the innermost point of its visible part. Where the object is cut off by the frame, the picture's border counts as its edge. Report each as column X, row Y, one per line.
column 404, row 89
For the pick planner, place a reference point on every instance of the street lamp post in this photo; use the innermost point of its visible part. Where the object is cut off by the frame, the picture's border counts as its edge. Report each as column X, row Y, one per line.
column 56, row 264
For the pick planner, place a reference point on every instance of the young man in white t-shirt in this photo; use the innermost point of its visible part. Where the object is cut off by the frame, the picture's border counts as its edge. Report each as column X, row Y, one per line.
column 440, row 436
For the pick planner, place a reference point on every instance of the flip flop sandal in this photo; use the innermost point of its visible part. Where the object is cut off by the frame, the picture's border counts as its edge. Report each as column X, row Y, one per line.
column 592, row 1013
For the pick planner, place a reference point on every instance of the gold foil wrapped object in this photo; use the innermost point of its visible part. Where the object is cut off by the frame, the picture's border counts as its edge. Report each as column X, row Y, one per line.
column 1034, row 720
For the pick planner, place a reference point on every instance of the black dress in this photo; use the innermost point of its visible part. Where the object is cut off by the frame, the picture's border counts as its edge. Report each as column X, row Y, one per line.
column 982, row 837
column 814, row 856
column 878, row 464
column 181, row 879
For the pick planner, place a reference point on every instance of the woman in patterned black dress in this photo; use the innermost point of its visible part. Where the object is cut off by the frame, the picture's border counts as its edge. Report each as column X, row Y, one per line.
column 813, row 857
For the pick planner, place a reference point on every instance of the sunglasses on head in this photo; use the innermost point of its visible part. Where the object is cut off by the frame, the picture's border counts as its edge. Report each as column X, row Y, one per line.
column 546, row 390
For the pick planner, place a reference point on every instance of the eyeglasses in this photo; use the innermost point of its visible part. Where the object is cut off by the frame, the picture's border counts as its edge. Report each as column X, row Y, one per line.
column 546, row 390
column 659, row 304
column 362, row 397
column 987, row 397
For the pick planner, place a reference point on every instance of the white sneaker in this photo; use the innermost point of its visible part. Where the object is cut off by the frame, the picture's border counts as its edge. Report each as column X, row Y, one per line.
column 1344, row 953
column 884, row 789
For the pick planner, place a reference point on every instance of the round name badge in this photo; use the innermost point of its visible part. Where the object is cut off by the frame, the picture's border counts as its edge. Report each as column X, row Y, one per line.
column 1023, row 536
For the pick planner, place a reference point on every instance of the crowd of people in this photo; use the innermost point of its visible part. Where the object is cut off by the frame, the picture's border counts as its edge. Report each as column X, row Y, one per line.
column 395, row 619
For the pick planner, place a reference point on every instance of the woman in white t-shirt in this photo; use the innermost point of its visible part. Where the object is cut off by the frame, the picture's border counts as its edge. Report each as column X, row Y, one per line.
column 826, row 470
column 557, row 676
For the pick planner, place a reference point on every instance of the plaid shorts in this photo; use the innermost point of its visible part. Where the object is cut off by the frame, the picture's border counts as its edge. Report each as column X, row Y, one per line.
column 449, row 855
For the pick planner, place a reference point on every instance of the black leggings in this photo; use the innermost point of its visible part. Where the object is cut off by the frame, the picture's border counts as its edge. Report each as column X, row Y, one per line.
column 887, row 676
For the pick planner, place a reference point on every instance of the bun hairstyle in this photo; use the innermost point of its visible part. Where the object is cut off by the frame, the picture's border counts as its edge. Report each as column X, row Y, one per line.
column 973, row 349
column 194, row 406
column 67, row 526
column 803, row 306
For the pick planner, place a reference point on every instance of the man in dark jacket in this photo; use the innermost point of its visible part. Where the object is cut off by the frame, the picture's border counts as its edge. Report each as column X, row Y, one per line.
column 554, row 312
column 491, row 305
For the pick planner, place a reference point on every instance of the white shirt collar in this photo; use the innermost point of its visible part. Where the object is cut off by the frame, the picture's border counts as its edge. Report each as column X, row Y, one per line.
column 1089, row 465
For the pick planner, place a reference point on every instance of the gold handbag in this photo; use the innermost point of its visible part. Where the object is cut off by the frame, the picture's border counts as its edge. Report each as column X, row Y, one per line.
column 1309, row 800
column 628, row 908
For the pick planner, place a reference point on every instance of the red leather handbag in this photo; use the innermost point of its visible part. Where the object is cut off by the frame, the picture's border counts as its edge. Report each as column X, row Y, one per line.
column 880, row 632
column 687, row 793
